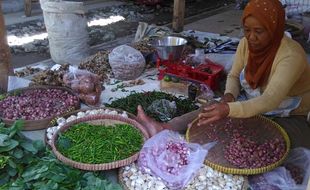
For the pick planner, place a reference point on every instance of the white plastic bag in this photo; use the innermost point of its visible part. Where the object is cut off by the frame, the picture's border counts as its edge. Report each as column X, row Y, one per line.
column 168, row 156
column 126, row 62
column 281, row 178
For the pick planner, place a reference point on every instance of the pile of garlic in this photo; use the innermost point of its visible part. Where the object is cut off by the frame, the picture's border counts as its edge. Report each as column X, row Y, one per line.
column 61, row 121
column 206, row 179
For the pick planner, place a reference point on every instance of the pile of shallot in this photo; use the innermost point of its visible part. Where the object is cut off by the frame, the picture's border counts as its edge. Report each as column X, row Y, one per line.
column 37, row 104
column 247, row 146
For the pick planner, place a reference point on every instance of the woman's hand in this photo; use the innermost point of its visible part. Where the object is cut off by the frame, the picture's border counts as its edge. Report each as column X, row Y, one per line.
column 213, row 113
column 228, row 98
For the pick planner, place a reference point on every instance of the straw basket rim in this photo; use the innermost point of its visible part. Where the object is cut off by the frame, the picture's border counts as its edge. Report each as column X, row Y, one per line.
column 66, row 115
column 40, row 123
column 253, row 171
column 103, row 166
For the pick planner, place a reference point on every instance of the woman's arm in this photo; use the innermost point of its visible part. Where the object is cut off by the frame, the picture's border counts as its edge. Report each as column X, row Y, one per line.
column 233, row 81
column 288, row 69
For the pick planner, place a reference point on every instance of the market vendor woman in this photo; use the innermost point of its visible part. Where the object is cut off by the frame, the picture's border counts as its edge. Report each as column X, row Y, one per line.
column 270, row 76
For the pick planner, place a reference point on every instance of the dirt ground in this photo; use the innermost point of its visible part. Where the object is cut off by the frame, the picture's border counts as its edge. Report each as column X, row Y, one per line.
column 159, row 14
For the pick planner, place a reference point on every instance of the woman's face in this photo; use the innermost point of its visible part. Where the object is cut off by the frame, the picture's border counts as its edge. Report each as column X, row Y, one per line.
column 256, row 34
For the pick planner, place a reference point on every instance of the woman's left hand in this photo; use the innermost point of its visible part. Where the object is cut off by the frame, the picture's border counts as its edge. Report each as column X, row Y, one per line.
column 213, row 113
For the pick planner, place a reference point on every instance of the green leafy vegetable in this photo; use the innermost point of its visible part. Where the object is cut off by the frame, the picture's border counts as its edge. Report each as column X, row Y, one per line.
column 28, row 165
column 145, row 99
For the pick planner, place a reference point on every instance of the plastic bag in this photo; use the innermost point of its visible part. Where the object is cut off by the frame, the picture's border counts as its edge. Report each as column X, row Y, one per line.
column 86, row 84
column 165, row 109
column 205, row 92
column 126, row 62
column 66, row 25
column 168, row 156
column 284, row 178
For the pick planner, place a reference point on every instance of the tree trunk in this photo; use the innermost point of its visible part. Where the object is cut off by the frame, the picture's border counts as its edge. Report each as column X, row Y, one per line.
column 5, row 56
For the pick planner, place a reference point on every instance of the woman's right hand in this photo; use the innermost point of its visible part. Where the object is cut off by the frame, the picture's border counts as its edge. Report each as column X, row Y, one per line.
column 228, row 98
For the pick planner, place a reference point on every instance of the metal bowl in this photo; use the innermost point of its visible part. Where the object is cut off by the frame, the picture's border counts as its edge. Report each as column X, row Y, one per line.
column 169, row 47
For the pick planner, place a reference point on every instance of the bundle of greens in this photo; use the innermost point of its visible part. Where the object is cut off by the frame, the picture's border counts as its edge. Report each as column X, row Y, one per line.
column 28, row 165
column 145, row 99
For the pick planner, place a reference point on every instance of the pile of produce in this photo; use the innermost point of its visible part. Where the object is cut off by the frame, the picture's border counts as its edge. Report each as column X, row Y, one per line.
column 98, row 64
column 107, row 144
column 144, row 46
column 62, row 121
column 27, row 71
column 35, row 104
column 85, row 84
column 50, row 77
column 145, row 99
column 27, row 165
column 207, row 179
column 246, row 146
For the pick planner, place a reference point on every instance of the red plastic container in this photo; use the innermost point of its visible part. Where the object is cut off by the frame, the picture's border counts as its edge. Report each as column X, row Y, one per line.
column 208, row 73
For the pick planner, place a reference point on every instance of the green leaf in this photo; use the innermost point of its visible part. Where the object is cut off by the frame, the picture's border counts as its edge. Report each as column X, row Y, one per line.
column 16, row 127
column 33, row 173
column 3, row 161
column 59, row 177
column 18, row 153
column 29, row 147
column 39, row 145
column 4, row 177
column 10, row 145
column 3, row 138
column 12, row 171
column 12, row 164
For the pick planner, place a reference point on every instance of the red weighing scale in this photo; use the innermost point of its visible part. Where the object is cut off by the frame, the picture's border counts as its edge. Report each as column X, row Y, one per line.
column 208, row 73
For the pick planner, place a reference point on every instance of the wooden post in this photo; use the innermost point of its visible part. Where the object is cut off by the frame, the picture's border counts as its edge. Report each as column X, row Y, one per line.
column 5, row 56
column 28, row 8
column 178, row 15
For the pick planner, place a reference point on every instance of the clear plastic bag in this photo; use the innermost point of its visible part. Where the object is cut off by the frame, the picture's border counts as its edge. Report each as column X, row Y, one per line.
column 86, row 84
column 283, row 179
column 165, row 109
column 168, row 156
column 126, row 62
column 205, row 92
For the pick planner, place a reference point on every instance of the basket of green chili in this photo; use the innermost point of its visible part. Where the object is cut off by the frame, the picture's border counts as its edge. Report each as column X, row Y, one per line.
column 99, row 142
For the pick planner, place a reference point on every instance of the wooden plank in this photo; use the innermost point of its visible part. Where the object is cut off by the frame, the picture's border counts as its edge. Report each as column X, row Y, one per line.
column 28, row 8
column 5, row 56
column 178, row 15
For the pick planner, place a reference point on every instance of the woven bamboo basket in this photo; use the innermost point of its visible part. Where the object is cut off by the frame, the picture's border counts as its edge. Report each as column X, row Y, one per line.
column 98, row 120
column 68, row 114
column 122, row 182
column 41, row 123
column 215, row 157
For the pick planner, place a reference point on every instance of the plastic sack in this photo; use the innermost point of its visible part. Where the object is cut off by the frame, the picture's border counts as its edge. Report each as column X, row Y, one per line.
column 284, row 177
column 66, row 25
column 126, row 62
column 86, row 84
column 165, row 109
column 168, row 156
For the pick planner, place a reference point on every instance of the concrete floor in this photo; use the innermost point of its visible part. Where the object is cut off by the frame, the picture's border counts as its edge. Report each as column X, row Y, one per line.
column 19, row 17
